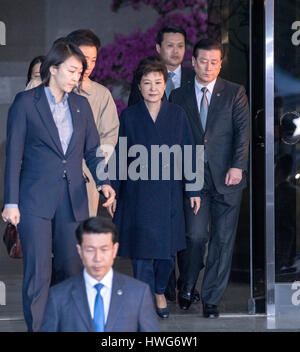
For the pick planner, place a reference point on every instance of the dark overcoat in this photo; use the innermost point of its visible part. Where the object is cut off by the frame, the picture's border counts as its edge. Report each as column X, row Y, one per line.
column 149, row 215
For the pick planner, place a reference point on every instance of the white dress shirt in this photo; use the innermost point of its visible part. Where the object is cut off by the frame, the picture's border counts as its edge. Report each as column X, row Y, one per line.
column 90, row 282
column 176, row 79
column 199, row 93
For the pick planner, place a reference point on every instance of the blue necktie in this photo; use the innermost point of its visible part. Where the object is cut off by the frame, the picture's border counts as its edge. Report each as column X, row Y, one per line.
column 99, row 319
column 170, row 84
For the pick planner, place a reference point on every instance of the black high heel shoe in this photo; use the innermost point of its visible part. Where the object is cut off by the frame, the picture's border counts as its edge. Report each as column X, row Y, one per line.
column 162, row 312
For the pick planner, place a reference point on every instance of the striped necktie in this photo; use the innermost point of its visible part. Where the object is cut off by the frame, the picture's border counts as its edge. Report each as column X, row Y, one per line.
column 170, row 84
column 203, row 108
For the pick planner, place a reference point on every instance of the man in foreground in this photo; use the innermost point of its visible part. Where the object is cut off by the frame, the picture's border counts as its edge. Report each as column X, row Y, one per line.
column 100, row 299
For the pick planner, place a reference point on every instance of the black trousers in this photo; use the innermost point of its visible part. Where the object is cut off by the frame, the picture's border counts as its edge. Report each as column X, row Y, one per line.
column 40, row 238
column 215, row 224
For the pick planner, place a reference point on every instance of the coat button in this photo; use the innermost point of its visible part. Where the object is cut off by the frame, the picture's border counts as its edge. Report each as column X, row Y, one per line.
column 64, row 161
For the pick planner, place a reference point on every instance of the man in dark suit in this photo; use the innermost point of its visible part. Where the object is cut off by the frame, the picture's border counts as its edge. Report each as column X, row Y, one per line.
column 100, row 299
column 219, row 116
column 170, row 45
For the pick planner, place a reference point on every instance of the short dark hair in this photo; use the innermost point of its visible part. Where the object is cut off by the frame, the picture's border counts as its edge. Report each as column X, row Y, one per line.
column 96, row 224
column 207, row 44
column 36, row 60
column 84, row 37
column 61, row 50
column 169, row 29
column 150, row 64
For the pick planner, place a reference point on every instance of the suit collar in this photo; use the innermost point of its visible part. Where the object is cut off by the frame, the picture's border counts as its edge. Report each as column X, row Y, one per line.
column 187, row 75
column 75, row 114
column 47, row 118
column 215, row 101
column 219, row 85
column 81, row 301
column 116, row 300
column 190, row 97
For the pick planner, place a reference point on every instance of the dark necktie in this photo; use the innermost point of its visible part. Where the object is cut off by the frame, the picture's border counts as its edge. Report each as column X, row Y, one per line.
column 170, row 84
column 203, row 114
column 203, row 108
column 99, row 319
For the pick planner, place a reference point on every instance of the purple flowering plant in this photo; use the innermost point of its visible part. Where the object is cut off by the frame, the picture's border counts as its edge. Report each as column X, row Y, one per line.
column 118, row 60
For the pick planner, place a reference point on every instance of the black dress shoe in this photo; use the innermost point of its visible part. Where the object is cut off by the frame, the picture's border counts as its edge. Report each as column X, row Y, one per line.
column 210, row 311
column 184, row 300
column 162, row 312
column 195, row 296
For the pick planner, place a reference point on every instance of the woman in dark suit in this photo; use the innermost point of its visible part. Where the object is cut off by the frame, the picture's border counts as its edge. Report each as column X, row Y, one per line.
column 149, row 212
column 49, row 131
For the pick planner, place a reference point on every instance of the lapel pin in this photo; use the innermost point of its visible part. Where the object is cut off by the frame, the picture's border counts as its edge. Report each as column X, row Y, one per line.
column 78, row 110
column 119, row 292
column 218, row 94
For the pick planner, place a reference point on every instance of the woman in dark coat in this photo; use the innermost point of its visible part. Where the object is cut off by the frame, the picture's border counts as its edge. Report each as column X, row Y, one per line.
column 149, row 211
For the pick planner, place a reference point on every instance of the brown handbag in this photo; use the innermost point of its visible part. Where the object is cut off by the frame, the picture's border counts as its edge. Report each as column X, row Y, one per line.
column 12, row 241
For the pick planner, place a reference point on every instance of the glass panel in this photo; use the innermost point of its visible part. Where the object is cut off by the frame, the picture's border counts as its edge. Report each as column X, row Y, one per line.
column 235, row 67
column 258, row 155
column 287, row 138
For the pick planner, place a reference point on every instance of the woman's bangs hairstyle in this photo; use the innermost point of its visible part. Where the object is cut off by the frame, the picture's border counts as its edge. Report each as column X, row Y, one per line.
column 151, row 64
column 61, row 50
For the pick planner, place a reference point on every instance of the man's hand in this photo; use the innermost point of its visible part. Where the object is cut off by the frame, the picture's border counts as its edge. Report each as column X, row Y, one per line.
column 233, row 176
column 11, row 215
column 195, row 204
column 108, row 193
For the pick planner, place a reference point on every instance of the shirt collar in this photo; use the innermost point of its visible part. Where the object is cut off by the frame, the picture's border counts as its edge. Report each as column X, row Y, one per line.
column 106, row 280
column 210, row 86
column 51, row 98
column 177, row 72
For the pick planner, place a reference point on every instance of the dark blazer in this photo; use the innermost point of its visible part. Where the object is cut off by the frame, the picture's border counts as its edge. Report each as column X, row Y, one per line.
column 226, row 137
column 131, row 307
column 149, row 214
column 35, row 162
column 187, row 75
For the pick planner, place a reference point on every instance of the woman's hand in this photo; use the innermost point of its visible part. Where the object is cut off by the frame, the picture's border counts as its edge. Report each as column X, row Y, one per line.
column 112, row 208
column 11, row 215
column 195, row 204
column 109, row 194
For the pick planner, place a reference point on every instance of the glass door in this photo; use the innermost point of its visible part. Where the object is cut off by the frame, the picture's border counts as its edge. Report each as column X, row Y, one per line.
column 287, row 154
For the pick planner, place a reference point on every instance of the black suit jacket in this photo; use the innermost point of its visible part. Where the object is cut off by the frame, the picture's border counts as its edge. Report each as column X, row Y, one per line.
column 226, row 136
column 187, row 75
